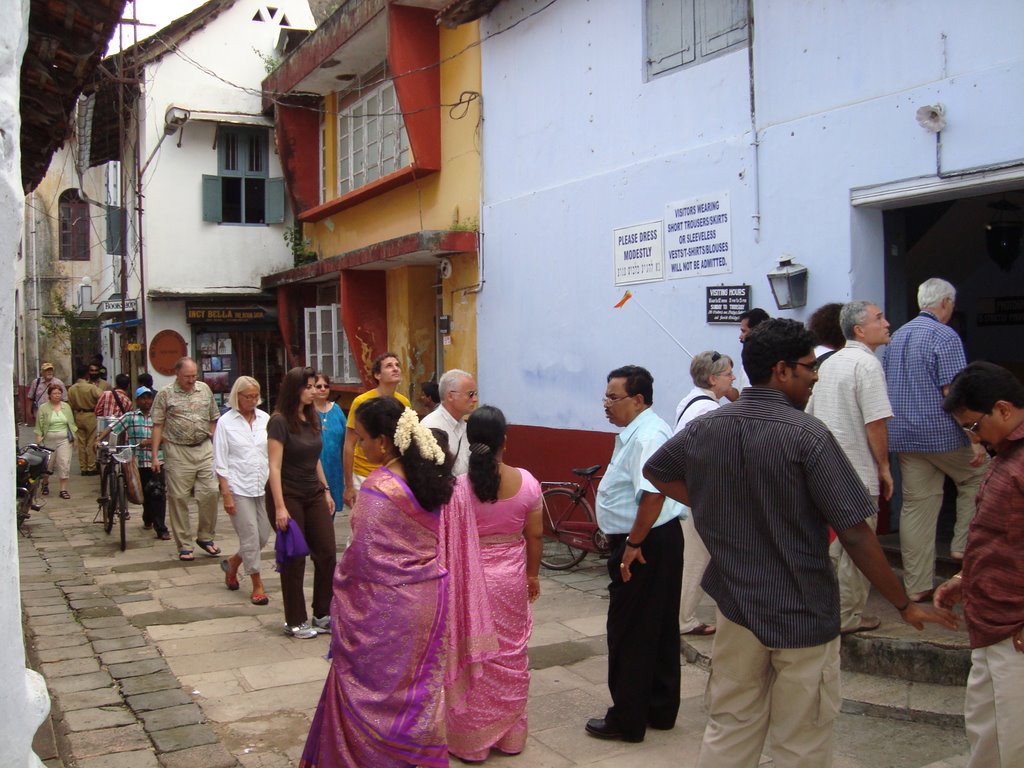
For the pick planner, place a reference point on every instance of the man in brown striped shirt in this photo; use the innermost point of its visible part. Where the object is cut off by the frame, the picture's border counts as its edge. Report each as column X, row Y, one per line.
column 988, row 402
column 765, row 481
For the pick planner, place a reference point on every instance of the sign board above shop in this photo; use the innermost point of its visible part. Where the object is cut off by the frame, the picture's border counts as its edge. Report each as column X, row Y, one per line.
column 698, row 237
column 639, row 256
column 211, row 313
column 113, row 306
column 727, row 302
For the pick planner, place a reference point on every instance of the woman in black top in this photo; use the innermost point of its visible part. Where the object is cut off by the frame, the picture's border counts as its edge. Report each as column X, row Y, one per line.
column 299, row 491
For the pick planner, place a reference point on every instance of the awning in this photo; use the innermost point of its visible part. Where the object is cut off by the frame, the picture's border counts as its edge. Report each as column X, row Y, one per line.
column 122, row 323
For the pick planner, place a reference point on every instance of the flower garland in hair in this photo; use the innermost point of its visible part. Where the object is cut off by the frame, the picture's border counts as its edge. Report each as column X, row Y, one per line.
column 409, row 429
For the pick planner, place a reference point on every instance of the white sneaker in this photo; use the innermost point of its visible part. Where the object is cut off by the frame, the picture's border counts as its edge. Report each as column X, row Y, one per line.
column 303, row 632
column 322, row 625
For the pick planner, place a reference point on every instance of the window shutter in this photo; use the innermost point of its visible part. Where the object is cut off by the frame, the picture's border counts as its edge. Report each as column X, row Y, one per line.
column 671, row 34
column 723, row 24
column 212, row 208
column 115, row 221
column 274, row 201
column 312, row 337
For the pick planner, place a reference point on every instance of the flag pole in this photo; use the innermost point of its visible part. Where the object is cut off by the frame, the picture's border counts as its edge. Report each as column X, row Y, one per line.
column 629, row 295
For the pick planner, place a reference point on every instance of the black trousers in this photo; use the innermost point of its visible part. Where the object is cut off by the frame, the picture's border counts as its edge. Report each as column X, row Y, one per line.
column 310, row 513
column 643, row 633
column 154, row 509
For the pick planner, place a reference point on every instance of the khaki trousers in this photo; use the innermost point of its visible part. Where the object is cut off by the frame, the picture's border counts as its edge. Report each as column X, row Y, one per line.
column 854, row 586
column 923, row 476
column 788, row 695
column 86, row 439
column 994, row 706
column 189, row 468
column 695, row 561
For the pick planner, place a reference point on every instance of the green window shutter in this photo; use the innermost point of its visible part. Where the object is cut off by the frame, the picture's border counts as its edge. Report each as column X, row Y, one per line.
column 115, row 221
column 212, row 199
column 274, row 209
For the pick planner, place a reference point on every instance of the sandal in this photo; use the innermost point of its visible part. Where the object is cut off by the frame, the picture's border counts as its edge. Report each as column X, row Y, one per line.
column 208, row 547
column 260, row 599
column 186, row 554
column 46, row 492
column 230, row 579
column 702, row 630
column 65, row 495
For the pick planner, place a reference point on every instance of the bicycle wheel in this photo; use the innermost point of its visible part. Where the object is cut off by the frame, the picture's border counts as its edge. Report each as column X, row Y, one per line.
column 122, row 507
column 110, row 502
column 566, row 519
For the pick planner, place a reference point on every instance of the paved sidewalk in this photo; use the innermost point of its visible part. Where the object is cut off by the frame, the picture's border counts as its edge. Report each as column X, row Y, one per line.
column 152, row 662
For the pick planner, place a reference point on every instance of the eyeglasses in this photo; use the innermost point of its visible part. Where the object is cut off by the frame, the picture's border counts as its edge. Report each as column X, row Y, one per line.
column 613, row 400
column 812, row 367
column 321, row 386
column 973, row 428
column 471, row 394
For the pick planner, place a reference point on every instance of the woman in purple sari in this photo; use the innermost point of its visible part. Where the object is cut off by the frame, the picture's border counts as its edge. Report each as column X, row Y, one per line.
column 382, row 704
column 486, row 691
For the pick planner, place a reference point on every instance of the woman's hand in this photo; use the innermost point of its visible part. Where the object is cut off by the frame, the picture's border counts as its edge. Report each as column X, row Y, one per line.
column 532, row 588
column 349, row 496
column 281, row 518
column 330, row 502
column 229, row 503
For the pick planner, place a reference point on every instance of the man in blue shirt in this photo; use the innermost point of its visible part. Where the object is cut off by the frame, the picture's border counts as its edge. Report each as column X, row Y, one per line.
column 920, row 362
column 645, row 565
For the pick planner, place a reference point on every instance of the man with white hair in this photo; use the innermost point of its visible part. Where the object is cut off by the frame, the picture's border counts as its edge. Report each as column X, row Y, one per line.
column 850, row 397
column 458, row 399
column 920, row 362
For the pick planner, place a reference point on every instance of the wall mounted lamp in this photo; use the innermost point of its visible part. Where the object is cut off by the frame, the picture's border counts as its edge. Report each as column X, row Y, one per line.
column 174, row 118
column 789, row 283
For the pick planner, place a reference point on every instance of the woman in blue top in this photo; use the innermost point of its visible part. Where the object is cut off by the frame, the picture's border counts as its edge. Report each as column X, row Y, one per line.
column 332, row 432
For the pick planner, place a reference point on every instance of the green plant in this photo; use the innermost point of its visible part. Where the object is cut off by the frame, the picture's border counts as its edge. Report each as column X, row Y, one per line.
column 63, row 323
column 472, row 224
column 270, row 63
column 300, row 246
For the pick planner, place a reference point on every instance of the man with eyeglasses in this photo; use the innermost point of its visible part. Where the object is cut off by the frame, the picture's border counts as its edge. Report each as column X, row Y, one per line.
column 920, row 362
column 765, row 481
column 850, row 397
column 459, row 397
column 988, row 402
column 645, row 565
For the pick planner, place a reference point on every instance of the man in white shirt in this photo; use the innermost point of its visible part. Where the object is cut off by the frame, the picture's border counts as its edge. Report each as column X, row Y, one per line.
column 851, row 398
column 458, row 399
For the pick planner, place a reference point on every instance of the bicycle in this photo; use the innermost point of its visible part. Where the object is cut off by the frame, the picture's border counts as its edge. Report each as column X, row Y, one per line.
column 113, row 499
column 570, row 526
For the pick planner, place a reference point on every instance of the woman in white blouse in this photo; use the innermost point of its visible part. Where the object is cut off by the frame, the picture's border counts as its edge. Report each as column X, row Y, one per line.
column 240, row 461
column 712, row 377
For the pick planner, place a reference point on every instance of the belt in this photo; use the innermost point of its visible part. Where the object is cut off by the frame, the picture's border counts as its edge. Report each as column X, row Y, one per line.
column 82, row 410
column 188, row 445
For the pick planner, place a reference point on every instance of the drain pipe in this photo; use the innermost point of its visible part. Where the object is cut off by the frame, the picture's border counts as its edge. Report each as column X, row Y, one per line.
column 754, row 141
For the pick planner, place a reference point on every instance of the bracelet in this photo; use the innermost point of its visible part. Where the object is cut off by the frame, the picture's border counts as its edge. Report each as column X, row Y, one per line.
column 957, row 576
column 631, row 544
column 905, row 606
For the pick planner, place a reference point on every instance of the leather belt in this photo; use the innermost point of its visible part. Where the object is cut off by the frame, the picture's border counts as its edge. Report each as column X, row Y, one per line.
column 188, row 445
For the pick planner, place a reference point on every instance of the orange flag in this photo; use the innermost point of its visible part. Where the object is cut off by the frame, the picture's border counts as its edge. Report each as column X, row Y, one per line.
column 625, row 297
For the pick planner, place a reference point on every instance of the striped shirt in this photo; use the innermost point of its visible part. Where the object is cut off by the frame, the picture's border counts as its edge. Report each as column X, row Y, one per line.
column 993, row 571
column 850, row 393
column 923, row 357
column 765, row 482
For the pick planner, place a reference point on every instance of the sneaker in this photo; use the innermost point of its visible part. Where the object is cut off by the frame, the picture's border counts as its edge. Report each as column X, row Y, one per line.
column 322, row 625
column 302, row 632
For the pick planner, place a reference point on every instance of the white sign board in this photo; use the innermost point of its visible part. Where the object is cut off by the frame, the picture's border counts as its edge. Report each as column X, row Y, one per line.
column 639, row 256
column 698, row 237
column 110, row 307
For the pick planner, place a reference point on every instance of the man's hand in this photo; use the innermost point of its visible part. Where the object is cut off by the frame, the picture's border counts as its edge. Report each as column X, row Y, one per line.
column 949, row 594
column 980, row 455
column 918, row 614
column 885, row 483
column 631, row 554
column 229, row 502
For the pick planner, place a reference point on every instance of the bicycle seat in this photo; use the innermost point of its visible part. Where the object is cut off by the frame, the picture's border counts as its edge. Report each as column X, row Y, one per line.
column 587, row 471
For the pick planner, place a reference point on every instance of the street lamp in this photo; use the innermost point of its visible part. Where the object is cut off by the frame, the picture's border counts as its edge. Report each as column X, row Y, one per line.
column 789, row 283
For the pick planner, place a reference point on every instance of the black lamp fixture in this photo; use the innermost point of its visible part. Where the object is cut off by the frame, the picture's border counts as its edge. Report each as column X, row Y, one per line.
column 1003, row 235
column 789, row 283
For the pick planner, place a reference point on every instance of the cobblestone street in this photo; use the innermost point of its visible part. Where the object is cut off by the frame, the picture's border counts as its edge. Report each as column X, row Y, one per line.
column 152, row 662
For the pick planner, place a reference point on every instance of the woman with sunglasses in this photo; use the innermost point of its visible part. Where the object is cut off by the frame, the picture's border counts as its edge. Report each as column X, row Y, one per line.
column 712, row 378
column 332, row 433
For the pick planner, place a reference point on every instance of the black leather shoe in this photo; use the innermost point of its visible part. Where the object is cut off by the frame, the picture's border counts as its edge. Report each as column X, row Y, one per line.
column 597, row 726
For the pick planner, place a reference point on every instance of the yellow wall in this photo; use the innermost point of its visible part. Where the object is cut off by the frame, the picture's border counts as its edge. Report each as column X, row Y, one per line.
column 410, row 299
column 459, row 303
column 449, row 197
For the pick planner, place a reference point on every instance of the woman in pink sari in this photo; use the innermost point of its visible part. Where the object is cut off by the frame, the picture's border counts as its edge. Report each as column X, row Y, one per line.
column 486, row 690
column 382, row 704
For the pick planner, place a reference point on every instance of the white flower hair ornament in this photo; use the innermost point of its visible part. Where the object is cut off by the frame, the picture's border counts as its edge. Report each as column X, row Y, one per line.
column 410, row 429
